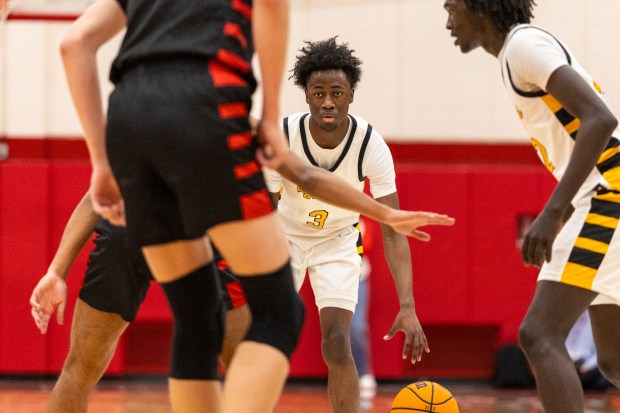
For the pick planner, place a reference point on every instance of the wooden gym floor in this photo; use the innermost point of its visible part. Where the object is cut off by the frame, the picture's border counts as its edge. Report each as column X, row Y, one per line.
column 149, row 395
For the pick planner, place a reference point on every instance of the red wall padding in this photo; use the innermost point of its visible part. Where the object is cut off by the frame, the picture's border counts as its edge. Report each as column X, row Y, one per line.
column 469, row 281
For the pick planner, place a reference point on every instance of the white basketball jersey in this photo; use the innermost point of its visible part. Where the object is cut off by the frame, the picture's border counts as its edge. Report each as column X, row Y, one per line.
column 528, row 58
column 362, row 154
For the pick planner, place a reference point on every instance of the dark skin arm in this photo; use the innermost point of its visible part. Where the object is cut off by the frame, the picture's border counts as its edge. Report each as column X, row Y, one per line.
column 398, row 257
column 597, row 125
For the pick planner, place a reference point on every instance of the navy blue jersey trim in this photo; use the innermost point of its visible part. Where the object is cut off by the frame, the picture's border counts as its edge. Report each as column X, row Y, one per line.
column 360, row 175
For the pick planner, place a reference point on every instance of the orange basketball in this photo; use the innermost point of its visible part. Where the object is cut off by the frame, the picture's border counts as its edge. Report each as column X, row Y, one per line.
column 424, row 397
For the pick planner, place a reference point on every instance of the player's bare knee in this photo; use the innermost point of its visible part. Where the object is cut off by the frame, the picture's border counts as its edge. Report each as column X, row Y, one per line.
column 336, row 347
column 277, row 310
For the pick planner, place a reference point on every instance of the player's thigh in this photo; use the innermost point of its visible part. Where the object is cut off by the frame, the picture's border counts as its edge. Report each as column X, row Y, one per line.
column 252, row 247
column 556, row 307
column 94, row 335
column 605, row 320
column 173, row 260
column 334, row 268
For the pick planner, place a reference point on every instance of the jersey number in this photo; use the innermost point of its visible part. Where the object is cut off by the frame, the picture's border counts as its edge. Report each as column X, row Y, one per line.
column 318, row 218
column 543, row 154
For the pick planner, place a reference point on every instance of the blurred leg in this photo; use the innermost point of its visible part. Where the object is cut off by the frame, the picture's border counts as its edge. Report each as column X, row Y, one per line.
column 94, row 337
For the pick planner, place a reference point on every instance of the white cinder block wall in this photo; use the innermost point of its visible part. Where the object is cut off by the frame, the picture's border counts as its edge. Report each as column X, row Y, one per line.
column 416, row 85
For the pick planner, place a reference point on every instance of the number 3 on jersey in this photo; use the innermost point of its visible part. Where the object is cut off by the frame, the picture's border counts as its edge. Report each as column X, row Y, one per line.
column 318, row 218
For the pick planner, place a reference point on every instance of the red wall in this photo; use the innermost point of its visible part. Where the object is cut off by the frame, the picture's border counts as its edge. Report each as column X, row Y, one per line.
column 470, row 287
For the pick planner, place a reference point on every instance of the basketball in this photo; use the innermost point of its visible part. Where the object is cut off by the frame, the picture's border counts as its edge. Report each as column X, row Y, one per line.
column 424, row 396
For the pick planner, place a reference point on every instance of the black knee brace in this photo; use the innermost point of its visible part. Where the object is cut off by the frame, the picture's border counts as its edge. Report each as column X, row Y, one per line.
column 277, row 309
column 198, row 310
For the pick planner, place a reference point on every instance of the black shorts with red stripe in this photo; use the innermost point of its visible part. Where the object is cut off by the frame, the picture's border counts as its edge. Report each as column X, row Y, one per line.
column 182, row 150
column 117, row 277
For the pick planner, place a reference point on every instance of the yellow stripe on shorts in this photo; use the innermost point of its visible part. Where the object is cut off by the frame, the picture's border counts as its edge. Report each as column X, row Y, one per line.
column 602, row 220
column 578, row 275
column 591, row 245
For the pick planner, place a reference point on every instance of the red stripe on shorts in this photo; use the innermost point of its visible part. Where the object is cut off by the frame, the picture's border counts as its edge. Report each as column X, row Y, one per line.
column 242, row 8
column 233, row 61
column 246, row 170
column 236, row 294
column 234, row 30
column 256, row 204
column 239, row 140
column 222, row 265
column 223, row 76
column 233, row 110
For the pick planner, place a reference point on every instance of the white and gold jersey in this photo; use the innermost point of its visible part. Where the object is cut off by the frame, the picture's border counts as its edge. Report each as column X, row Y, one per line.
column 528, row 58
column 362, row 154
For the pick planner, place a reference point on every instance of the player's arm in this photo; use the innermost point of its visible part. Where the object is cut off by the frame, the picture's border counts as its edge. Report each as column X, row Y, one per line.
column 597, row 124
column 99, row 23
column 332, row 189
column 50, row 294
column 270, row 31
column 398, row 257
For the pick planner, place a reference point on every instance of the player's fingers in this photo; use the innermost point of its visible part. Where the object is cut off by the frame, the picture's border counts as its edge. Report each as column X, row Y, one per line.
column 60, row 313
column 390, row 333
column 407, row 346
column 45, row 319
column 420, row 235
column 438, row 219
column 34, row 302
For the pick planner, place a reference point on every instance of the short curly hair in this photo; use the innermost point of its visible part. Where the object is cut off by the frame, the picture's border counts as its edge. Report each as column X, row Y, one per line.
column 505, row 13
column 326, row 55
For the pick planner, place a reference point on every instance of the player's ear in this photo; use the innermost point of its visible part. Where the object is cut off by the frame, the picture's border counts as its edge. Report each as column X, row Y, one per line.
column 352, row 94
column 307, row 98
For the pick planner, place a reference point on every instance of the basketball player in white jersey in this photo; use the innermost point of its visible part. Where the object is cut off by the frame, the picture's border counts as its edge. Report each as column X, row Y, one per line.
column 325, row 240
column 574, row 240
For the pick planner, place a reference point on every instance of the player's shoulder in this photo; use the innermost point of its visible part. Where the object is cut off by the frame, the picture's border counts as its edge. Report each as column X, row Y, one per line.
column 364, row 127
column 524, row 37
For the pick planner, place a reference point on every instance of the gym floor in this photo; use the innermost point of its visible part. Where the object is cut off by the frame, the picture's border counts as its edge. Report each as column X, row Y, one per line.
column 139, row 395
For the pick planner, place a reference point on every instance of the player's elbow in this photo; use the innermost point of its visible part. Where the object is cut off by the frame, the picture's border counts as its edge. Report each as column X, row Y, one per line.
column 73, row 41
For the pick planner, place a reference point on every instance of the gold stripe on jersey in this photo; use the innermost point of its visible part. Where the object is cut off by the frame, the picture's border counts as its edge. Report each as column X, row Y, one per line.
column 551, row 103
column 593, row 241
column 607, row 154
column 571, row 124
column 598, row 88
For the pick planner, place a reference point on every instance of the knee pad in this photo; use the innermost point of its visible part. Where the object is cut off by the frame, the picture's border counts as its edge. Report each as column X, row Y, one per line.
column 277, row 310
column 198, row 310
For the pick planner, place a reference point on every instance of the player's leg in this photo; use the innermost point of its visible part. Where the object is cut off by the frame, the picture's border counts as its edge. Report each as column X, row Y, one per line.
column 238, row 316
column 94, row 337
column 334, row 270
column 342, row 383
column 257, row 253
column 605, row 319
column 188, row 276
column 554, row 310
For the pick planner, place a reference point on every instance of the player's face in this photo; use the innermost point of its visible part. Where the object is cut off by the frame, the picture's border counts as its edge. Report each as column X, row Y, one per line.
column 329, row 93
column 464, row 25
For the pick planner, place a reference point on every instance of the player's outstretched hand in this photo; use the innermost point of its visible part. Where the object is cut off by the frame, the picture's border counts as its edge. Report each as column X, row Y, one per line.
column 415, row 339
column 408, row 222
column 48, row 296
column 106, row 196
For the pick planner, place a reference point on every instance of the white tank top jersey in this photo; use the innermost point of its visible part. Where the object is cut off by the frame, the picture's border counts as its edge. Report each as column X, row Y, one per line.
column 362, row 154
column 528, row 58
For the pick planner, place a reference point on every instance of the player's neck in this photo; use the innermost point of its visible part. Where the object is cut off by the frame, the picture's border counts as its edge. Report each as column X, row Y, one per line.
column 329, row 138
